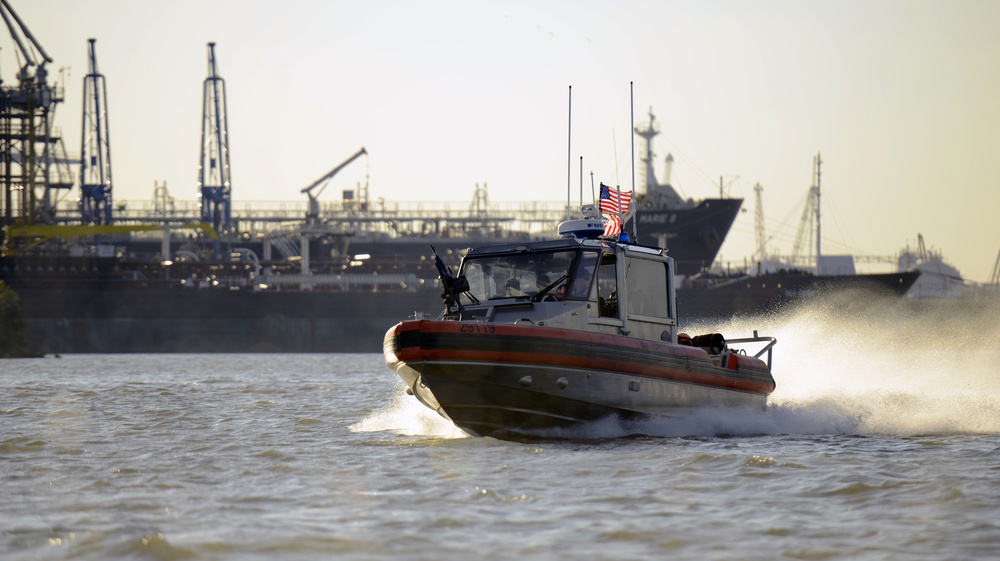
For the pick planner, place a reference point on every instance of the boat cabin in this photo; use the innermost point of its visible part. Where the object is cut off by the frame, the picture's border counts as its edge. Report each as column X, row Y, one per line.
column 596, row 285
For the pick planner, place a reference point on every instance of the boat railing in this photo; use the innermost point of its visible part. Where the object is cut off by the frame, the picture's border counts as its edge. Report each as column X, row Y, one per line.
column 769, row 343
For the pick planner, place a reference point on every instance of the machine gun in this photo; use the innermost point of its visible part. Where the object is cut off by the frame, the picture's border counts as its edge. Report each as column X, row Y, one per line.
column 453, row 286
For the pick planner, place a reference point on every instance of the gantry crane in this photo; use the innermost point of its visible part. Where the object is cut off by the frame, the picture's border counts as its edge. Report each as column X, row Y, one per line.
column 213, row 168
column 31, row 165
column 758, row 223
column 95, row 142
column 810, row 218
column 995, row 275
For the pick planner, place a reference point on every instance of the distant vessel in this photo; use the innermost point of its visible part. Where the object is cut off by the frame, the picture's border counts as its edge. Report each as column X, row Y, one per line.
column 693, row 231
column 938, row 279
column 714, row 297
column 163, row 279
column 778, row 285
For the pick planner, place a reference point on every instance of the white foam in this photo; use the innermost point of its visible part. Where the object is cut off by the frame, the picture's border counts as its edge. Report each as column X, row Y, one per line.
column 850, row 365
column 406, row 416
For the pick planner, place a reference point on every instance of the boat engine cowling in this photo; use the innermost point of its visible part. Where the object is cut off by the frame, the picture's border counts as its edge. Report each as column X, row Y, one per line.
column 712, row 343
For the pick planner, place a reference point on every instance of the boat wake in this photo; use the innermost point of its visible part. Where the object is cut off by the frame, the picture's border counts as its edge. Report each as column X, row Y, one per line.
column 843, row 366
column 851, row 365
column 406, row 416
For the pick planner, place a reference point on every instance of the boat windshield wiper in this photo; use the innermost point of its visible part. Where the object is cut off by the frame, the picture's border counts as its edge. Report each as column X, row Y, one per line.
column 541, row 293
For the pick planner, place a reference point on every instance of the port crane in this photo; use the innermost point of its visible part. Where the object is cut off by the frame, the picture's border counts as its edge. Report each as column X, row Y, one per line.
column 95, row 142
column 33, row 165
column 995, row 275
column 312, row 214
column 758, row 223
column 213, row 169
column 810, row 218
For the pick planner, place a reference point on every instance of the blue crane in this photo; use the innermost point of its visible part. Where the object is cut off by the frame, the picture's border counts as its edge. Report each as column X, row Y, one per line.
column 213, row 169
column 95, row 157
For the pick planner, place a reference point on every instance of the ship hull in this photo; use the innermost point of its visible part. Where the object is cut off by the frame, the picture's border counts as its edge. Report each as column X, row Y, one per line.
column 128, row 317
column 135, row 317
column 693, row 236
column 776, row 293
column 499, row 380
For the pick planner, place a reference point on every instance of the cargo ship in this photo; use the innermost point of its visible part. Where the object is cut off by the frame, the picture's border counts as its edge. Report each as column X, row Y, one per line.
column 712, row 297
column 328, row 282
column 780, row 285
column 95, row 274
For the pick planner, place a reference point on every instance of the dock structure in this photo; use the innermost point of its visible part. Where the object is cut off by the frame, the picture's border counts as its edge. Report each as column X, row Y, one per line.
column 359, row 217
column 40, row 208
column 34, row 168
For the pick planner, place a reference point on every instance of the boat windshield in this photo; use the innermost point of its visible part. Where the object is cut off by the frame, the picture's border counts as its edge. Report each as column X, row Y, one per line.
column 559, row 275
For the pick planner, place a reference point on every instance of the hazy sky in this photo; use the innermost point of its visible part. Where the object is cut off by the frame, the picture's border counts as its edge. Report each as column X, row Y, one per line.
column 902, row 98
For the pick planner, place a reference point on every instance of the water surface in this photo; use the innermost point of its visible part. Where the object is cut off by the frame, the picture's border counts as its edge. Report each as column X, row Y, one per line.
column 880, row 443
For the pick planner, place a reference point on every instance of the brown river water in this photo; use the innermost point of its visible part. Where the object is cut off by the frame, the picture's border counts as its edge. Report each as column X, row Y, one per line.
column 882, row 441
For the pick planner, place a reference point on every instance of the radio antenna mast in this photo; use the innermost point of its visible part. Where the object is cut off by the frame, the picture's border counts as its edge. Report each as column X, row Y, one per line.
column 569, row 152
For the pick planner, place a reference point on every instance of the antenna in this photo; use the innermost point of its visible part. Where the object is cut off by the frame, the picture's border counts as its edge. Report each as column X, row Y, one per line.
column 569, row 151
column 581, row 180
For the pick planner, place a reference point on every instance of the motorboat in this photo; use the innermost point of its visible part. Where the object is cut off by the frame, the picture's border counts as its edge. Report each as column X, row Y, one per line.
column 541, row 336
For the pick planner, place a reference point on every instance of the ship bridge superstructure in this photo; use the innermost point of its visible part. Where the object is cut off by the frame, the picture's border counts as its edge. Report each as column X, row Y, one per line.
column 660, row 195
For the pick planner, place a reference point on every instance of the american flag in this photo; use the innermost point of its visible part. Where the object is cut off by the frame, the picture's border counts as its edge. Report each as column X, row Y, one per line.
column 609, row 206
column 609, row 200
column 612, row 225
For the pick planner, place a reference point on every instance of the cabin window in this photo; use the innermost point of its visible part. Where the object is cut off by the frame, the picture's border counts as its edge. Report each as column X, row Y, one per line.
column 518, row 275
column 646, row 284
column 607, row 287
column 583, row 278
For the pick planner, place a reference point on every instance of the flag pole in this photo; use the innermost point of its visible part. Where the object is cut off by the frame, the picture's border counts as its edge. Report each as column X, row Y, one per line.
column 621, row 217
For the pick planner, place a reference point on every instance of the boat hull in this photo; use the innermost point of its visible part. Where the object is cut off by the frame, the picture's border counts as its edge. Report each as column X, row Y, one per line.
column 498, row 379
